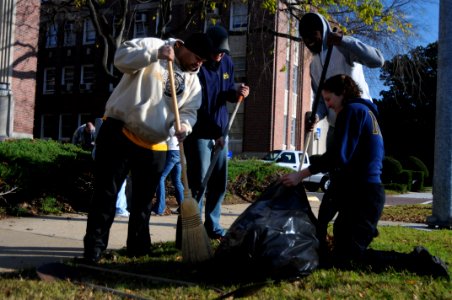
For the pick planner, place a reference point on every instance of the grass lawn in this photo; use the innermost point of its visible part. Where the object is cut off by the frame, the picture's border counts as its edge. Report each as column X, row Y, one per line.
column 165, row 261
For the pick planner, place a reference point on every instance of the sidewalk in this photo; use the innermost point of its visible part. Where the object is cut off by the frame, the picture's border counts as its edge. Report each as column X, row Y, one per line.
column 33, row 241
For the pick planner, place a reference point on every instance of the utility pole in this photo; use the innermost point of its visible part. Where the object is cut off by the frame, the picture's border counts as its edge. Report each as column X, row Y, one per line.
column 442, row 175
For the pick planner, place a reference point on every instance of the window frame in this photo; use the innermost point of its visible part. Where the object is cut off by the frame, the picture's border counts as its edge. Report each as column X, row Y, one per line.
column 69, row 33
column 89, row 32
column 45, row 88
column 242, row 26
column 52, row 35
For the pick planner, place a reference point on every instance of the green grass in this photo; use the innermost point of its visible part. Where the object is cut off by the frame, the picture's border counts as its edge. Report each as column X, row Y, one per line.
column 165, row 261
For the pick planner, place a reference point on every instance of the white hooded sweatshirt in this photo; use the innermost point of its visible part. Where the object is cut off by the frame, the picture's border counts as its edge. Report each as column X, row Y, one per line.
column 142, row 99
column 348, row 58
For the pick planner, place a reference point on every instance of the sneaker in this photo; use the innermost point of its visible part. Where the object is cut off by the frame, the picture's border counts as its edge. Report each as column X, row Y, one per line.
column 429, row 264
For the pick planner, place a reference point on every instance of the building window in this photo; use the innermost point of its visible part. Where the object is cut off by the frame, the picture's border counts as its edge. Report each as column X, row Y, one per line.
column 67, row 79
column 89, row 33
column 69, row 34
column 295, row 80
column 67, row 127
column 239, row 16
column 212, row 16
column 49, row 81
column 49, row 127
column 87, row 77
column 287, row 75
column 293, row 120
column 286, row 111
column 239, row 68
column 51, row 35
column 140, row 27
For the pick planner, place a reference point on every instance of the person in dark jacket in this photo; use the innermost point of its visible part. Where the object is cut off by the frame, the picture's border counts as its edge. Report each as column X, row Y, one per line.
column 354, row 161
column 218, row 88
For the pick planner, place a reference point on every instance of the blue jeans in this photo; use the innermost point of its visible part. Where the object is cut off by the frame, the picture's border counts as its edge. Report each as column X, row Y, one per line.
column 199, row 153
column 121, row 201
column 173, row 167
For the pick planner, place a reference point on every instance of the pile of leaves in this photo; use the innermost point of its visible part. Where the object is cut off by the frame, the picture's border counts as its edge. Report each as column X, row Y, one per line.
column 416, row 213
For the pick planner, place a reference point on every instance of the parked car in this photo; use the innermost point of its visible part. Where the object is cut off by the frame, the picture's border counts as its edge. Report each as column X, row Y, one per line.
column 291, row 159
column 316, row 181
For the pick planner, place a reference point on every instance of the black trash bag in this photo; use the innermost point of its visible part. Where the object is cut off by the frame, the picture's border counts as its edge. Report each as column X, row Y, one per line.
column 274, row 237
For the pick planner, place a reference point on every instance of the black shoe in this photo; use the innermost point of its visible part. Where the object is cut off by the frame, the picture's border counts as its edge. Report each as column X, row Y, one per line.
column 92, row 257
column 429, row 265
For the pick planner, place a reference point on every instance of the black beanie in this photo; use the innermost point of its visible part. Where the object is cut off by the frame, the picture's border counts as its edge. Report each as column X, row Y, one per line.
column 219, row 37
column 200, row 44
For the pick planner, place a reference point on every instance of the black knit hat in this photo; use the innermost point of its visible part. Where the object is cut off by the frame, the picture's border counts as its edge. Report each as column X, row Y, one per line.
column 219, row 37
column 200, row 44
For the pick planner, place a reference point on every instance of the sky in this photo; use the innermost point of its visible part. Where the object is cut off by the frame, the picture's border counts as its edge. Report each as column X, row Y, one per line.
column 426, row 17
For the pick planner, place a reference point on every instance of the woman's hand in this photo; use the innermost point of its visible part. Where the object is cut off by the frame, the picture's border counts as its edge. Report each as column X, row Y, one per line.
column 294, row 179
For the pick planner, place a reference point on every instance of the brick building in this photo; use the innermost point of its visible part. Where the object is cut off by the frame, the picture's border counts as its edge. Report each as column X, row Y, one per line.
column 71, row 88
column 19, row 28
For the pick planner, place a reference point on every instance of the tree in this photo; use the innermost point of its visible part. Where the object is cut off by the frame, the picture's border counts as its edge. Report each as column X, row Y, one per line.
column 407, row 109
column 373, row 19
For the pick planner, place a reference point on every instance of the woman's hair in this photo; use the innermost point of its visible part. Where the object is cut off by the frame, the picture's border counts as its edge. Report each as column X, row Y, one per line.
column 343, row 85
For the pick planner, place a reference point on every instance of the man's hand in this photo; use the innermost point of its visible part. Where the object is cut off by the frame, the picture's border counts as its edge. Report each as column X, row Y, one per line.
column 166, row 52
column 182, row 134
column 220, row 142
column 243, row 90
column 309, row 125
column 334, row 38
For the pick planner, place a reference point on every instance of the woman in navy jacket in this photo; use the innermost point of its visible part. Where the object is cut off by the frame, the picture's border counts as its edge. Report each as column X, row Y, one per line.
column 355, row 163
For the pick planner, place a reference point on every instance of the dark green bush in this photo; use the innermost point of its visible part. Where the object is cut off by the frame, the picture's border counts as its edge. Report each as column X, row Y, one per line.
column 391, row 169
column 249, row 178
column 41, row 168
column 405, row 177
column 418, row 181
column 415, row 164
column 400, row 188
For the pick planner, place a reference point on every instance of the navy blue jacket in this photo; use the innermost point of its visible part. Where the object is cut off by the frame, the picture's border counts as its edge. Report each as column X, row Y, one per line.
column 357, row 151
column 217, row 81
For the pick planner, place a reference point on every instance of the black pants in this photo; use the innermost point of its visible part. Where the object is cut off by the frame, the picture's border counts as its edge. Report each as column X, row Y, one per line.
column 115, row 157
column 359, row 209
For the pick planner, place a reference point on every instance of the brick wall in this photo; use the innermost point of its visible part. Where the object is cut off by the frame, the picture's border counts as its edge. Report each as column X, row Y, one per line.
column 24, row 66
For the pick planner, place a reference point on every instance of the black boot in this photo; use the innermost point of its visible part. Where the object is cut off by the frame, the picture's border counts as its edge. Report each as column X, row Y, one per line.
column 426, row 264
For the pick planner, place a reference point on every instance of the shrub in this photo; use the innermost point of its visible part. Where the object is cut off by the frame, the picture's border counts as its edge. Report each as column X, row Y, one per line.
column 415, row 164
column 391, row 169
column 249, row 178
column 400, row 188
column 405, row 177
column 418, row 181
column 38, row 168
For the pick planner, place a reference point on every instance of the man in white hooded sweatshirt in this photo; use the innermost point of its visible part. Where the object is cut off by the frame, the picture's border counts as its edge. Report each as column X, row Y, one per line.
column 139, row 119
column 348, row 57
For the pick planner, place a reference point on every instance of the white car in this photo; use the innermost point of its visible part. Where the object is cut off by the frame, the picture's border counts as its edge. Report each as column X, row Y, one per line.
column 316, row 181
column 287, row 158
column 291, row 159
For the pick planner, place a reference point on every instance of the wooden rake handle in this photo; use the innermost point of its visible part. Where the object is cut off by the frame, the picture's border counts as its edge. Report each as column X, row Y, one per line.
column 178, row 128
